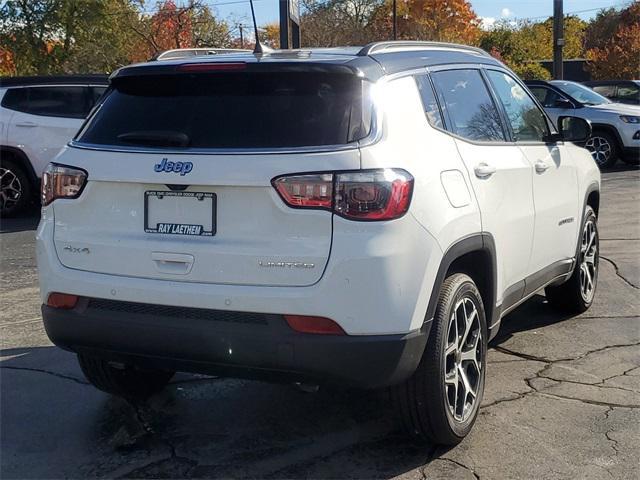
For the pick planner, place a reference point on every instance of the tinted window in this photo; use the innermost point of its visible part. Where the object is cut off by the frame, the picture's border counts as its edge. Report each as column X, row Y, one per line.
column 549, row 98
column 96, row 93
column 63, row 101
column 468, row 106
column 231, row 110
column 606, row 90
column 431, row 109
column 527, row 121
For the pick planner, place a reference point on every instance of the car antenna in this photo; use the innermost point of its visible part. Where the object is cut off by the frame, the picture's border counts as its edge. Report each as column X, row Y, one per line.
column 258, row 48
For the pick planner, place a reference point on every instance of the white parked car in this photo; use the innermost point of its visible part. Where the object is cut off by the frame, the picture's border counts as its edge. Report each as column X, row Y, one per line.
column 359, row 216
column 616, row 126
column 38, row 116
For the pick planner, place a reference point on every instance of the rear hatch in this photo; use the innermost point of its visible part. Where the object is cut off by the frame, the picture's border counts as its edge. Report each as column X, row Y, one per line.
column 179, row 171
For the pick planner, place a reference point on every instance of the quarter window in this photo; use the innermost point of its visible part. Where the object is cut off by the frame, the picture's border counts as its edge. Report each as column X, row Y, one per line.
column 468, row 106
column 527, row 121
column 431, row 108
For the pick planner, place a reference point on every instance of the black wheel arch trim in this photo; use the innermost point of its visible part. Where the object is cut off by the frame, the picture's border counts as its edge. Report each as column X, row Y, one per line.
column 22, row 159
column 479, row 242
column 609, row 129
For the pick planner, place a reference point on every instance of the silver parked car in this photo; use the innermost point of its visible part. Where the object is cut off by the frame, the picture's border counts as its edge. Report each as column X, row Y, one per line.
column 616, row 126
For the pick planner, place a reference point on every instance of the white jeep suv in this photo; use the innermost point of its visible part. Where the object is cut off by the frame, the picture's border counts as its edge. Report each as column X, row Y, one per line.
column 355, row 216
column 38, row 116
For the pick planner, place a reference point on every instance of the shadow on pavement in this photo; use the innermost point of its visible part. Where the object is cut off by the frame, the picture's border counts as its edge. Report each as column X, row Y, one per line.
column 27, row 221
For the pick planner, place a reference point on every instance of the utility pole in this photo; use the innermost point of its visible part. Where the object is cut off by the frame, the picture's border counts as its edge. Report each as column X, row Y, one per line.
column 395, row 20
column 241, row 36
column 558, row 39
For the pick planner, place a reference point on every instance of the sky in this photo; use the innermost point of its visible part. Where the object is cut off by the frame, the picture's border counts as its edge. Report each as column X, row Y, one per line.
column 267, row 11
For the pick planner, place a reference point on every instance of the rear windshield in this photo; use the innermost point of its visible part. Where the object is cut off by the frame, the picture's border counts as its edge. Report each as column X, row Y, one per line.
column 231, row 110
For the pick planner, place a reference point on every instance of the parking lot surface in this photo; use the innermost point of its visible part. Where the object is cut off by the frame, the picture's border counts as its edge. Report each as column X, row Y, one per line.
column 562, row 398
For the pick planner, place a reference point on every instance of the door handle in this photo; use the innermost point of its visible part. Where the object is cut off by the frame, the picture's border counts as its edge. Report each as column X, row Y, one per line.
column 541, row 166
column 484, row 170
column 26, row 124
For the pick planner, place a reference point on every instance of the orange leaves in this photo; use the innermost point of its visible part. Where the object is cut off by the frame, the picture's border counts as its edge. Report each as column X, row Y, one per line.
column 437, row 20
column 618, row 57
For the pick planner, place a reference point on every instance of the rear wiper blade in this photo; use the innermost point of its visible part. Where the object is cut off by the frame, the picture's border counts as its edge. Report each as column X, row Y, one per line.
column 156, row 138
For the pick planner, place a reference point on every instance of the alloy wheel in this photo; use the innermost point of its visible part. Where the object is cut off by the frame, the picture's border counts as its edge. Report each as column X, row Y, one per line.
column 600, row 148
column 589, row 261
column 463, row 360
column 10, row 190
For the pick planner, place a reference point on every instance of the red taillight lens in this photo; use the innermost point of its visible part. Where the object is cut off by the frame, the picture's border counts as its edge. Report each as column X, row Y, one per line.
column 373, row 195
column 306, row 191
column 382, row 194
column 59, row 181
column 62, row 300
column 317, row 325
column 212, row 67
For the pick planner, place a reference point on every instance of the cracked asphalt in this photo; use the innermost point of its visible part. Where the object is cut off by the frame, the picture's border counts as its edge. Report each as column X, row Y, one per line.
column 562, row 398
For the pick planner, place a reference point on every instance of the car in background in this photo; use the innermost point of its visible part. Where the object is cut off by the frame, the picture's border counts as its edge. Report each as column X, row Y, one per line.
column 616, row 126
column 38, row 116
column 619, row 91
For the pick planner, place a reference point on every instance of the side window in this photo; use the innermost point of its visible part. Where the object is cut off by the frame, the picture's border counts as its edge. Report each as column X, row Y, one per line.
column 628, row 92
column 528, row 123
column 59, row 101
column 549, row 98
column 540, row 93
column 96, row 93
column 54, row 101
column 605, row 90
column 431, row 109
column 468, row 106
column 16, row 99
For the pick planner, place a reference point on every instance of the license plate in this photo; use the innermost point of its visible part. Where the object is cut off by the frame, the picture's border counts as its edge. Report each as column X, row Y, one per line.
column 180, row 213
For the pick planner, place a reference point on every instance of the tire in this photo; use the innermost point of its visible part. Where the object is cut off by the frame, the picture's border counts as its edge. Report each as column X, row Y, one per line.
column 604, row 148
column 424, row 402
column 128, row 382
column 575, row 295
column 15, row 189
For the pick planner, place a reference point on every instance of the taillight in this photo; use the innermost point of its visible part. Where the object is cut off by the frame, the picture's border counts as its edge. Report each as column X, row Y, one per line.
column 59, row 181
column 306, row 191
column 382, row 194
column 64, row 301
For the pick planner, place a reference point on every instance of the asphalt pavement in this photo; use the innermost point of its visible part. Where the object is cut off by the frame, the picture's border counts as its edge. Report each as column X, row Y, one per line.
column 562, row 396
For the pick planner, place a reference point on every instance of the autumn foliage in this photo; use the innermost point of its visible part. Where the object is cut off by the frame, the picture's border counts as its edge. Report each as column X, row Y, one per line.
column 619, row 55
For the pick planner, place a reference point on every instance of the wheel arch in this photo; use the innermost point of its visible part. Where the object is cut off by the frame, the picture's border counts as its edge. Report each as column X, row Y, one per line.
column 21, row 159
column 605, row 127
column 474, row 255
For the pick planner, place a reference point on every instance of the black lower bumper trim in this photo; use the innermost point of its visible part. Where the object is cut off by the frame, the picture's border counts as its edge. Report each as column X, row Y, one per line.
column 234, row 344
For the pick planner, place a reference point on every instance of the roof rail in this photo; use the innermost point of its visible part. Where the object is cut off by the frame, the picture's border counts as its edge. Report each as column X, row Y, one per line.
column 407, row 45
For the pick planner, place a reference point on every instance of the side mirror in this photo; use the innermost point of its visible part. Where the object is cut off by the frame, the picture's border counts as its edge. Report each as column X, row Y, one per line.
column 562, row 102
column 574, row 129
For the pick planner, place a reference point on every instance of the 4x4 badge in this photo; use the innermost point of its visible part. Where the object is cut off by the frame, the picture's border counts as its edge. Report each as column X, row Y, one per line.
column 176, row 167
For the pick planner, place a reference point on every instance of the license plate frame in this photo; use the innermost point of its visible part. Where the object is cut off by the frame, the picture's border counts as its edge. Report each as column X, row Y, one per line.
column 177, row 193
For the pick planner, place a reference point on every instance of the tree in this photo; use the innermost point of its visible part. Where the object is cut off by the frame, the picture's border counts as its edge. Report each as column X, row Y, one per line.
column 270, row 35
column 437, row 20
column 616, row 56
column 523, row 45
column 65, row 36
column 330, row 23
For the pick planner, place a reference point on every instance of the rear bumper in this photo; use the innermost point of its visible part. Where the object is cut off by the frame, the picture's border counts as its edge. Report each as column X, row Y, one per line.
column 234, row 344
